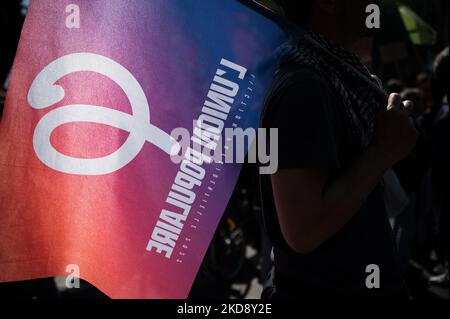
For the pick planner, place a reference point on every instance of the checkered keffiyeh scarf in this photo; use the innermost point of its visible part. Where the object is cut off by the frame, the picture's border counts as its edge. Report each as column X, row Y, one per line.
column 359, row 101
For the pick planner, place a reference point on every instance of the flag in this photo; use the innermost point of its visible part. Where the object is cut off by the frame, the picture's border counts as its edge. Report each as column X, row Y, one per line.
column 86, row 176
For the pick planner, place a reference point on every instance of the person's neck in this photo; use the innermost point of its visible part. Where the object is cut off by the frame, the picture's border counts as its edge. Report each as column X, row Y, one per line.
column 344, row 39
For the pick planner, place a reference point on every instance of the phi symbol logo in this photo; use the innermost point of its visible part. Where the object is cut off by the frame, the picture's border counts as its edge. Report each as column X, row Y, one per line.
column 44, row 93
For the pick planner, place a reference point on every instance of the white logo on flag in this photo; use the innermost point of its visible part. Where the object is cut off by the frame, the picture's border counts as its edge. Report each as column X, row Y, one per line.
column 44, row 93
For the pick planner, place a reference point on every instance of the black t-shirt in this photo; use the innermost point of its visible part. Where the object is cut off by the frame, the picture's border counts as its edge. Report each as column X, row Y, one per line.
column 313, row 133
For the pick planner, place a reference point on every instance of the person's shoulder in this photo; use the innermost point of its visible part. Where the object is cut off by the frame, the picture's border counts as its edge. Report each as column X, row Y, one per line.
column 300, row 72
column 301, row 81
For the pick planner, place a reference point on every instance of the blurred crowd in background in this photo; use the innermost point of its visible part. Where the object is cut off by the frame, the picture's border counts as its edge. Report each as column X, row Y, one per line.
column 410, row 55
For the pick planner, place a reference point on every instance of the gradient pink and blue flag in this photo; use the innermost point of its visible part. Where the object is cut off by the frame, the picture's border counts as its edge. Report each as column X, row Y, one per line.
column 85, row 168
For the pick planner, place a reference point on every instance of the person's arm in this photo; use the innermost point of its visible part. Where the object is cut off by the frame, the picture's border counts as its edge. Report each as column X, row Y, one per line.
column 311, row 208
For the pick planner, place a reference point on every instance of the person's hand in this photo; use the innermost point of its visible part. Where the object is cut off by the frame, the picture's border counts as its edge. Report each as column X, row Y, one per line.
column 395, row 135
